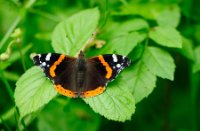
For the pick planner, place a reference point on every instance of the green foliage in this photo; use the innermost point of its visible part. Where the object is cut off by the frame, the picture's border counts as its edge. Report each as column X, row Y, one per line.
column 160, row 37
column 166, row 36
column 33, row 91
column 169, row 17
column 159, row 62
column 116, row 103
column 196, row 66
column 71, row 35
column 142, row 81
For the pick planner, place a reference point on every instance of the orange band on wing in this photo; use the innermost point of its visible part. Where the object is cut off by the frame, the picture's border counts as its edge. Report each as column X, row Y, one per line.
column 94, row 92
column 108, row 69
column 65, row 92
column 53, row 67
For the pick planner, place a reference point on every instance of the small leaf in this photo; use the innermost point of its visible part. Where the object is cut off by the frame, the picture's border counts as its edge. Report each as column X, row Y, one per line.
column 196, row 65
column 72, row 34
column 166, row 36
column 187, row 49
column 130, row 26
column 159, row 62
column 141, row 81
column 116, row 103
column 169, row 16
column 122, row 37
column 123, row 44
column 33, row 90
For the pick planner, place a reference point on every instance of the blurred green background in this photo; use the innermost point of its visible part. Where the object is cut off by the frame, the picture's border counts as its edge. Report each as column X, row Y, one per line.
column 173, row 105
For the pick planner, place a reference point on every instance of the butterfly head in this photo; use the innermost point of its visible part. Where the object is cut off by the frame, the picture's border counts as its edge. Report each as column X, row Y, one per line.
column 81, row 54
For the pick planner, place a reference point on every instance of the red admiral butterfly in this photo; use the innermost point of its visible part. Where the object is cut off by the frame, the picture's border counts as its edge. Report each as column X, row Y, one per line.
column 84, row 77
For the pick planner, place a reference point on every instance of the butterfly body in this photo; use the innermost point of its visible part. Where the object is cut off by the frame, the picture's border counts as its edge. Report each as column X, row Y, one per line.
column 81, row 76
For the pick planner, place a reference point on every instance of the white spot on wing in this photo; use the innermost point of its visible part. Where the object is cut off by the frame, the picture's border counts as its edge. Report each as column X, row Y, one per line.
column 118, row 65
column 48, row 57
column 43, row 63
column 114, row 58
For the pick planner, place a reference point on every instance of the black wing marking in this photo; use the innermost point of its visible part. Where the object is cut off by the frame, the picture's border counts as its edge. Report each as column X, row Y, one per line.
column 117, row 63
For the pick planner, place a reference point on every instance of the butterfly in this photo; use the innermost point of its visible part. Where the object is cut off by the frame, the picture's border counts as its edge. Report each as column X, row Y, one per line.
column 81, row 76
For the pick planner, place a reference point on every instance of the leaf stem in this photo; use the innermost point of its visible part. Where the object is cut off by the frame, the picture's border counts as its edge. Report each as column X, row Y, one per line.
column 194, row 84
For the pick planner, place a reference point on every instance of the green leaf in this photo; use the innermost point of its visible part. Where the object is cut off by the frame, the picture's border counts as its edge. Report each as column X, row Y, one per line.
column 123, row 44
column 130, row 26
column 196, row 65
column 141, row 81
column 33, row 90
column 137, row 52
column 148, row 10
column 71, row 35
column 166, row 36
column 169, row 17
column 123, row 38
column 187, row 49
column 116, row 103
column 159, row 62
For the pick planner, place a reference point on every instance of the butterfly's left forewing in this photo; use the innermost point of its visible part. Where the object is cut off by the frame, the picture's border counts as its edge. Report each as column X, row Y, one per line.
column 58, row 68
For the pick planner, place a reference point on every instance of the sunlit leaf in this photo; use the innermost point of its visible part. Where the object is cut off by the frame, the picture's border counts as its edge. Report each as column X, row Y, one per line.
column 123, row 38
column 166, row 36
column 129, row 26
column 140, row 81
column 33, row 90
column 123, row 44
column 116, row 103
column 159, row 62
column 169, row 16
column 71, row 35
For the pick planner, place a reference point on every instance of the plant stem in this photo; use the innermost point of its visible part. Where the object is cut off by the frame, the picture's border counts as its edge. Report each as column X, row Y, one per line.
column 194, row 89
column 6, row 126
column 8, row 87
column 44, row 14
column 10, row 30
